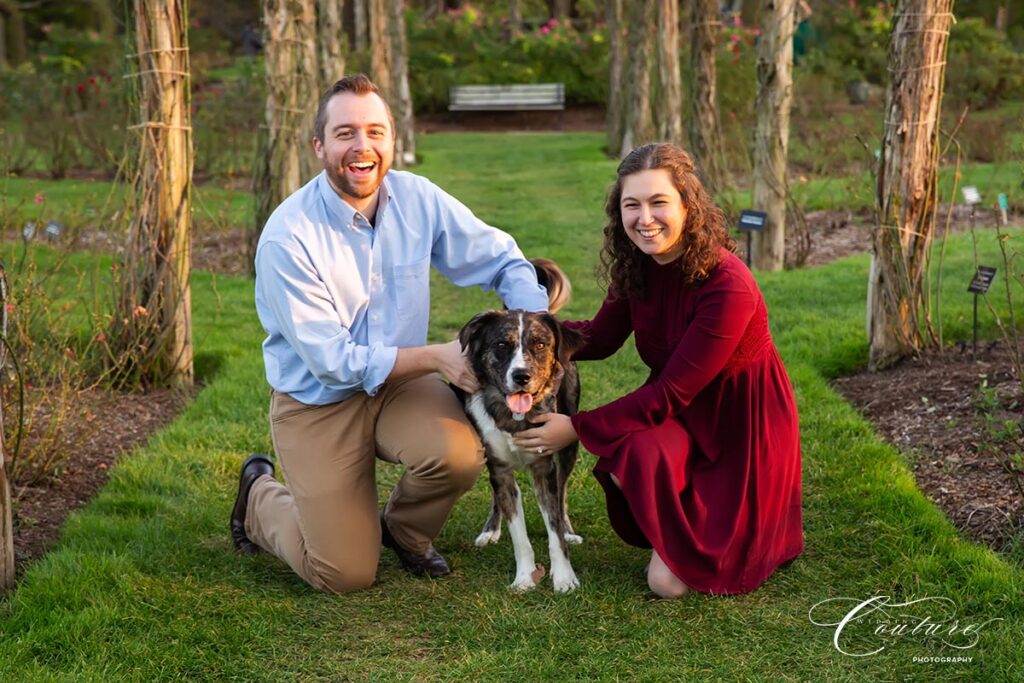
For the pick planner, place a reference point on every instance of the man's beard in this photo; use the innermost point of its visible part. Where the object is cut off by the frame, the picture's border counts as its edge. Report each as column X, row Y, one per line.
column 341, row 182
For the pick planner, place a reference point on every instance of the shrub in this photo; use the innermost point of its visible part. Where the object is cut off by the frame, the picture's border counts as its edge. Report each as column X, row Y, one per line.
column 70, row 117
column 982, row 69
column 465, row 47
column 225, row 117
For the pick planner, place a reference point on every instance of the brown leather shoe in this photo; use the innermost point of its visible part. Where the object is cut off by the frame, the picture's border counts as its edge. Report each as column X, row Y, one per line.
column 429, row 563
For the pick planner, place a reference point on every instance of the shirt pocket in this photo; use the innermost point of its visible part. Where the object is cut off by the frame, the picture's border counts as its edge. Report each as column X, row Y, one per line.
column 412, row 289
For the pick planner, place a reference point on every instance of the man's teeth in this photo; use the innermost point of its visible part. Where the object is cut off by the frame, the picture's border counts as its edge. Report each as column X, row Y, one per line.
column 362, row 165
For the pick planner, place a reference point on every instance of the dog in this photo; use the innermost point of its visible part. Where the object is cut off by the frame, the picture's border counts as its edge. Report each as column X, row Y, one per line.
column 523, row 363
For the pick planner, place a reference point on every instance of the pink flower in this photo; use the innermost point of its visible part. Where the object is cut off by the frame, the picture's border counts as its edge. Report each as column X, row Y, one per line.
column 40, row 198
column 545, row 30
column 101, row 337
column 737, row 21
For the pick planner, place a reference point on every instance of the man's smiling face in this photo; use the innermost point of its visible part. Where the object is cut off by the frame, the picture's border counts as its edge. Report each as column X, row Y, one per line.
column 358, row 146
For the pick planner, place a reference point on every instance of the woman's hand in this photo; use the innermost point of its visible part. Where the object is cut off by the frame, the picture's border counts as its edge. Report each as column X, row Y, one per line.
column 554, row 433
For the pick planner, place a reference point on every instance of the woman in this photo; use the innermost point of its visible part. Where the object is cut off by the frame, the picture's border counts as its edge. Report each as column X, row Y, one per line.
column 702, row 462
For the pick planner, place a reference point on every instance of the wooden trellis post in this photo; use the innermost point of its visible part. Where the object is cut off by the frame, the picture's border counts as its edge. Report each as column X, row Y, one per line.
column 293, row 77
column 907, row 192
column 154, row 325
column 771, row 137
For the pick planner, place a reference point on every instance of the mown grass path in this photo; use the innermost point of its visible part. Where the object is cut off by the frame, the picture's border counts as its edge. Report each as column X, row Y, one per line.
column 144, row 584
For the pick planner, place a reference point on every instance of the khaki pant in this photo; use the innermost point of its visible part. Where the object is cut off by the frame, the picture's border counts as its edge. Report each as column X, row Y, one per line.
column 326, row 523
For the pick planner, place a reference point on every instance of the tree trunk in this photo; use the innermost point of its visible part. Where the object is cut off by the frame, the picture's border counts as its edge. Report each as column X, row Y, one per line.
column 669, row 112
column 155, row 320
column 705, row 140
column 330, row 41
column 12, row 34
column 639, row 126
column 907, row 192
column 614, row 115
column 515, row 18
column 292, row 78
column 402, row 101
column 389, row 68
column 771, row 137
column 561, row 9
column 3, row 55
column 1002, row 18
column 361, row 22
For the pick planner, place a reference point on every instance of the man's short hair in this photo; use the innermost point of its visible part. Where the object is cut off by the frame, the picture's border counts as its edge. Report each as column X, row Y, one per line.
column 357, row 84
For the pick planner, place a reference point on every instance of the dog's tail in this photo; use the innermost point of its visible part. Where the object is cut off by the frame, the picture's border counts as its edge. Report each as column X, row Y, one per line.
column 554, row 280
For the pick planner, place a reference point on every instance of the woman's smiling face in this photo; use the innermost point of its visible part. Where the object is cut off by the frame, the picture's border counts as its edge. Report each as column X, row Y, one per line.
column 653, row 213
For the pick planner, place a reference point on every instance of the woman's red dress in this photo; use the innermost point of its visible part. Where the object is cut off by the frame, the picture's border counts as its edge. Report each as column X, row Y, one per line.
column 708, row 449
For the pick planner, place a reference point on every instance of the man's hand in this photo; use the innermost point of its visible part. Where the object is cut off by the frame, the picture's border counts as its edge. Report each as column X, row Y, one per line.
column 453, row 364
column 447, row 359
column 555, row 433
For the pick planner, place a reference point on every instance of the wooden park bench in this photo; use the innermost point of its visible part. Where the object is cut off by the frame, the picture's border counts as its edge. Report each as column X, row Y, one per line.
column 513, row 97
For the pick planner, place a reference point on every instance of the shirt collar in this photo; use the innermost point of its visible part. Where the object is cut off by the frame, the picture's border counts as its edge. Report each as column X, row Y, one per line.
column 340, row 209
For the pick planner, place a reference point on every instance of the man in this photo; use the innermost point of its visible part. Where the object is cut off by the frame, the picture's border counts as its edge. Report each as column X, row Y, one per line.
column 342, row 289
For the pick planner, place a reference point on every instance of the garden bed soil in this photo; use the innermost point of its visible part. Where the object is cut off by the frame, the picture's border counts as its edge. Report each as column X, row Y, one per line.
column 934, row 410
column 99, row 429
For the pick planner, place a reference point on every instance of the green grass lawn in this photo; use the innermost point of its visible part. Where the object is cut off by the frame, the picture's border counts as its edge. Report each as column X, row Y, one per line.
column 144, row 584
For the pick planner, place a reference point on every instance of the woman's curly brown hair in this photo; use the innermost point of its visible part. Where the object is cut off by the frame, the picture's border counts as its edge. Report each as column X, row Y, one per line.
column 622, row 262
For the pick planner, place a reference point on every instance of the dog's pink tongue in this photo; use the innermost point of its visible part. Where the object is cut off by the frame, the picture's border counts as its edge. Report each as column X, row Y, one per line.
column 519, row 403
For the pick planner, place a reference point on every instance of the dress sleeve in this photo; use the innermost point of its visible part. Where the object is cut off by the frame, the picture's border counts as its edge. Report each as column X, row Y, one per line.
column 606, row 333
column 720, row 319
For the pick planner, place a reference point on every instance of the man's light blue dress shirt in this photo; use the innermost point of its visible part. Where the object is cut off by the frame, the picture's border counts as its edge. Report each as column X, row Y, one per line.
column 338, row 297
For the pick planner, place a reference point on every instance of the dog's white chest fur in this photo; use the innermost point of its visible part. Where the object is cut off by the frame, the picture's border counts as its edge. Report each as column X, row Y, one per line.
column 499, row 440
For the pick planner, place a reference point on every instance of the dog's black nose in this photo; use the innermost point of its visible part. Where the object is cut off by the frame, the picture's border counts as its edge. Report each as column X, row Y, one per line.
column 520, row 377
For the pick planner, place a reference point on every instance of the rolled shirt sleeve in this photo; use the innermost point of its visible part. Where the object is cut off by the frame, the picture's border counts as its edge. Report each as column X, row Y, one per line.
column 301, row 311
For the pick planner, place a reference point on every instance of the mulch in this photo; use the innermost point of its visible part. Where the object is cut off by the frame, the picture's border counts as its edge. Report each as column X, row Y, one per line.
column 100, row 428
column 949, row 411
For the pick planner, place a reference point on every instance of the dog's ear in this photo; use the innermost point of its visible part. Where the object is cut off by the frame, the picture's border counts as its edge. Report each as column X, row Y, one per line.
column 470, row 332
column 567, row 340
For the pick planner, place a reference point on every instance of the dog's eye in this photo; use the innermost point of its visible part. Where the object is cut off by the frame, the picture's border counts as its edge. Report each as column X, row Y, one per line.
column 502, row 346
column 540, row 346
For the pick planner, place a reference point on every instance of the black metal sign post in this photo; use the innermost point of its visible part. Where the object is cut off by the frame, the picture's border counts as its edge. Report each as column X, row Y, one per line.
column 979, row 285
column 750, row 222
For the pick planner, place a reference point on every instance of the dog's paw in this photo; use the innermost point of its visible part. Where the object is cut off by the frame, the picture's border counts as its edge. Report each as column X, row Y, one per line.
column 573, row 539
column 565, row 582
column 527, row 581
column 487, row 538
column 522, row 584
